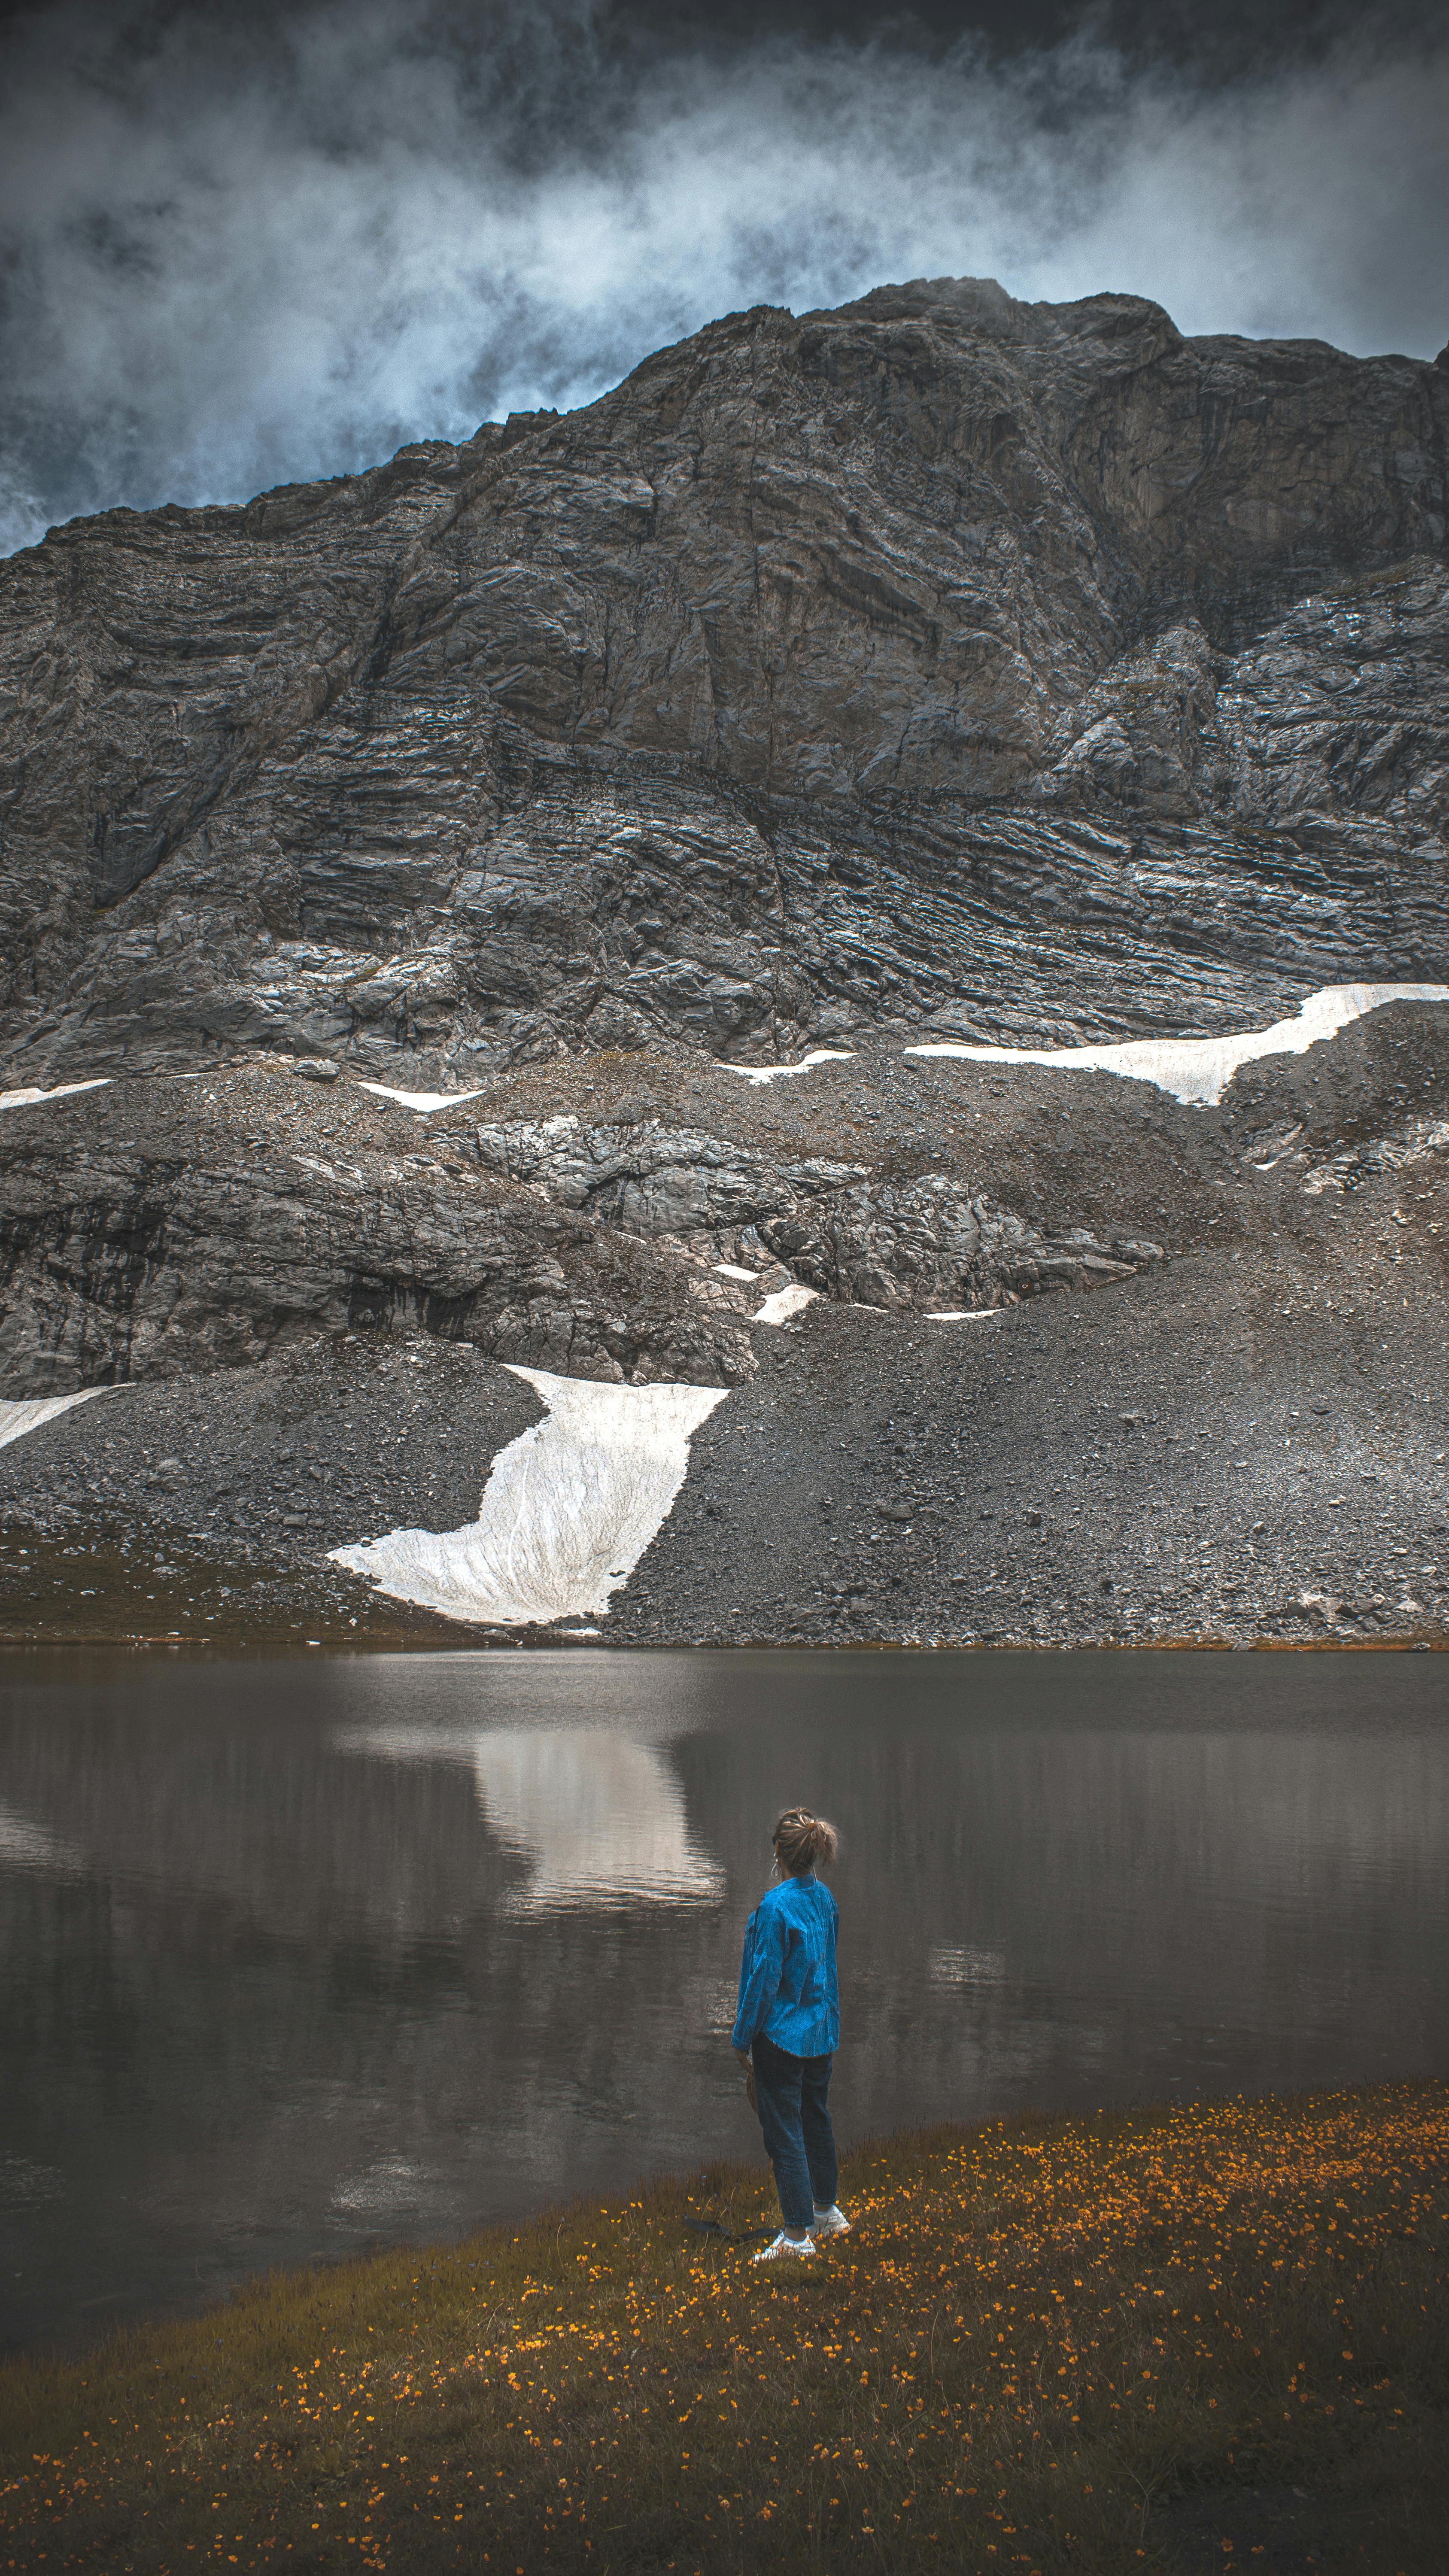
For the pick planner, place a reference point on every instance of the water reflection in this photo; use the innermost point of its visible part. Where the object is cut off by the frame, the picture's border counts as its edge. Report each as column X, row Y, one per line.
column 24, row 1845
column 599, row 1818
column 603, row 1821
column 297, row 1960
column 951, row 1965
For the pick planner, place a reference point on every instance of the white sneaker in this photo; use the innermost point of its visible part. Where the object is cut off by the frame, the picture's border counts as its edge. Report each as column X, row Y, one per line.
column 830, row 2222
column 783, row 2244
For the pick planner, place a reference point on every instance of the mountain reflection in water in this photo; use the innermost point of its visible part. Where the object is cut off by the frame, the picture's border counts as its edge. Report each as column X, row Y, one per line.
column 296, row 1958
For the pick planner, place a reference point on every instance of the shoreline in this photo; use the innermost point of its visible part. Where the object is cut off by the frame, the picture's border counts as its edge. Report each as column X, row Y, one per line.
column 247, row 1646
column 254, row 1607
column 1180, row 2331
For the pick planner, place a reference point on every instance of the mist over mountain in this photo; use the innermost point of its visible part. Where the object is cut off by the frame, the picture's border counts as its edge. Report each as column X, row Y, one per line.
column 243, row 249
column 679, row 843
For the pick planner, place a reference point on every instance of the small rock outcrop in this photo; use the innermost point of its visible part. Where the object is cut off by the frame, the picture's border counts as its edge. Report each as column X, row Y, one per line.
column 932, row 1244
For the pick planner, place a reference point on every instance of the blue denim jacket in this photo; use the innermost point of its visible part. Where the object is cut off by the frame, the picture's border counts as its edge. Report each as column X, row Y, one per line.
column 788, row 1991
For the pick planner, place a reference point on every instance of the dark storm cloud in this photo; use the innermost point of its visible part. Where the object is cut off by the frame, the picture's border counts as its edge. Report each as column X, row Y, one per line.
column 242, row 250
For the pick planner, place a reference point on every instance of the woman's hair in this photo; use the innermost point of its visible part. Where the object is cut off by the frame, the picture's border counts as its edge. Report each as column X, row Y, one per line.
column 803, row 1841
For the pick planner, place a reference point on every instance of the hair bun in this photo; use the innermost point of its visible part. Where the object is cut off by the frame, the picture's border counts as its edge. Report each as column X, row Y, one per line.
column 803, row 1841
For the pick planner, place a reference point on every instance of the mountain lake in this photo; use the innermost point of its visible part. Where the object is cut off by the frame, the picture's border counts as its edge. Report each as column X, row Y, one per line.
column 300, row 1958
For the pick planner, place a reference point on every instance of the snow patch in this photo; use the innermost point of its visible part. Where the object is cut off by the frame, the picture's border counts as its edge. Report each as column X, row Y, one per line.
column 18, row 1418
column 774, row 1072
column 732, row 1270
column 62, row 1091
column 567, row 1512
column 1198, row 1070
column 784, row 1303
column 961, row 1314
column 423, row 1100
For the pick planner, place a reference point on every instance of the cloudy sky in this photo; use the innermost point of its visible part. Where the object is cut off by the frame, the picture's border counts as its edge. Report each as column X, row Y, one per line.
column 246, row 246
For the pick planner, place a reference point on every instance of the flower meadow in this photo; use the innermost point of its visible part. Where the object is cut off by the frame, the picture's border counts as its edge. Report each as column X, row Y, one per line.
column 1207, row 2336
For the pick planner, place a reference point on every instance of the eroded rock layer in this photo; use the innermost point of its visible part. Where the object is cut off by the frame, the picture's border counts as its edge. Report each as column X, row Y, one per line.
column 1026, row 670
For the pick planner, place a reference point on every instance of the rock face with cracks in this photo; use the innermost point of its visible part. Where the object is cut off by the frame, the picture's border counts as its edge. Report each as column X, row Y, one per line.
column 834, row 1226
column 1025, row 669
column 145, row 1234
column 411, row 865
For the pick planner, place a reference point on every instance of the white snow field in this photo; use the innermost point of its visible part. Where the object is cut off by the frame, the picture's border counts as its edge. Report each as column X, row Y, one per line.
column 1198, row 1070
column 775, row 1072
column 29, row 1413
column 424, row 1100
column 26, row 1099
column 567, row 1512
column 784, row 1303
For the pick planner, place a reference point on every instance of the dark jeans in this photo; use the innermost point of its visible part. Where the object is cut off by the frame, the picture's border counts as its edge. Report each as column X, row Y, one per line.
column 799, row 2139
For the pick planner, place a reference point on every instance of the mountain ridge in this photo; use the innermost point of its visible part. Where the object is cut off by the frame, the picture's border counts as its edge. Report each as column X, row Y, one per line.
column 940, row 670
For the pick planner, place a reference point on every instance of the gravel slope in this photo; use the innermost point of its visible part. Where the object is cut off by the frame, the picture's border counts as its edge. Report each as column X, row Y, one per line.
column 1247, row 1442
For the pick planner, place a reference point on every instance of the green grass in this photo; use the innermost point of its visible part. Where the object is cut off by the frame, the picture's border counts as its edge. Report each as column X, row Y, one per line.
column 1167, row 2339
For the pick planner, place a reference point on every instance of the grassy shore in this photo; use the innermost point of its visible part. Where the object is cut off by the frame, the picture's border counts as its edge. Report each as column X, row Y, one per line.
column 1171, row 2339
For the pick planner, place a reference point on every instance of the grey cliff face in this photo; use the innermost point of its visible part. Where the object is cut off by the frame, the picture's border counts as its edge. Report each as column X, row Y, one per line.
column 144, row 1235
column 834, row 669
column 940, row 668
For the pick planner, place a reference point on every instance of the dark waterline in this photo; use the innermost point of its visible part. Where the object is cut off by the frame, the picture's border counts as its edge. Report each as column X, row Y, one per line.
column 298, row 1959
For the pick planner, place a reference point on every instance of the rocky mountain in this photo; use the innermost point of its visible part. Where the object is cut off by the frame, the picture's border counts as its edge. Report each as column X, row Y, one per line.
column 941, row 671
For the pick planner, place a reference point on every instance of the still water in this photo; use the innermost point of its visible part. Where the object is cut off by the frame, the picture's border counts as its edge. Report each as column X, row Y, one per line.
column 301, row 1958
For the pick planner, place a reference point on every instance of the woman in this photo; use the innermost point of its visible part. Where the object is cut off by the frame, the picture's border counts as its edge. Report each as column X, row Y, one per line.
column 787, row 2028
